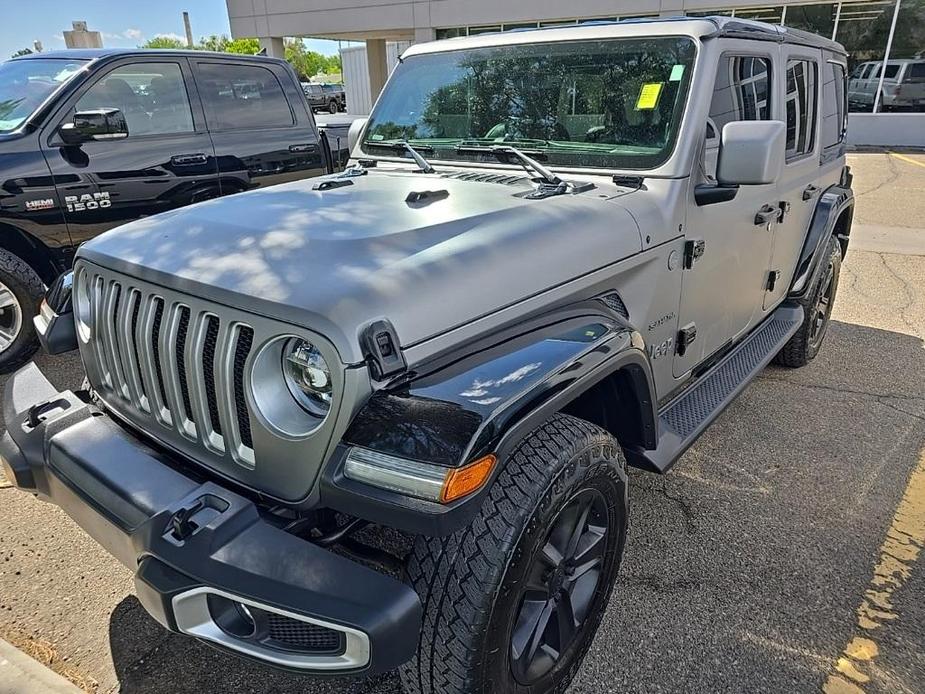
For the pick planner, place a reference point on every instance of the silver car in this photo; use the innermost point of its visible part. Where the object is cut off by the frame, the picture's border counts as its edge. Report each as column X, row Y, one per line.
column 556, row 253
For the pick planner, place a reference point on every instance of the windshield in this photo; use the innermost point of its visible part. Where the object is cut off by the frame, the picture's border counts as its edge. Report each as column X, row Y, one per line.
column 613, row 103
column 25, row 84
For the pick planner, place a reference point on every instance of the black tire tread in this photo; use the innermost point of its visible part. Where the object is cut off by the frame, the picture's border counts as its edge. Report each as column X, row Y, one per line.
column 797, row 352
column 451, row 574
column 15, row 268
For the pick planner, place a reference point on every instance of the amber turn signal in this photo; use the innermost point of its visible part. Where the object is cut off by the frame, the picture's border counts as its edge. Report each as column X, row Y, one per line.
column 465, row 480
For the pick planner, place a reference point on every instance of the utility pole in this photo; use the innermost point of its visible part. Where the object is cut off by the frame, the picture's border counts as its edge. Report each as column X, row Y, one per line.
column 189, row 30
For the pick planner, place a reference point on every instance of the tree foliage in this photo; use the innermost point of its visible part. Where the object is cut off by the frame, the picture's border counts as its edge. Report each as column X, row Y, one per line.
column 306, row 63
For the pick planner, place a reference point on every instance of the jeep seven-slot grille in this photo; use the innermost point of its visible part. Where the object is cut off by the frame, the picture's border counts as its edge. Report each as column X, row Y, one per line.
column 178, row 367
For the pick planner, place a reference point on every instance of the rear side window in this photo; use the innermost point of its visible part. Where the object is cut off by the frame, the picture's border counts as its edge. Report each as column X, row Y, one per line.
column 242, row 97
column 151, row 96
column 833, row 104
column 800, row 107
column 915, row 72
column 742, row 91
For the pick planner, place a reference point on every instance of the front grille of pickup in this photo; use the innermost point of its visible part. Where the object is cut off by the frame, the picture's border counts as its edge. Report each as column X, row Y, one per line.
column 178, row 366
column 297, row 635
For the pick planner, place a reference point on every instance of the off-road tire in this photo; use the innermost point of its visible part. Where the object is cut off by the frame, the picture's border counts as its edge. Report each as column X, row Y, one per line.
column 804, row 345
column 469, row 582
column 28, row 289
column 333, row 107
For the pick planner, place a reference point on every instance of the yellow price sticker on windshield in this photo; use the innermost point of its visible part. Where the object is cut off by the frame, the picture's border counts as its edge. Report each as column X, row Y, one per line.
column 648, row 96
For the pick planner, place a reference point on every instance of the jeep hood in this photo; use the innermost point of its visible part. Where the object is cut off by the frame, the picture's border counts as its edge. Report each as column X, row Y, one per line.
column 334, row 260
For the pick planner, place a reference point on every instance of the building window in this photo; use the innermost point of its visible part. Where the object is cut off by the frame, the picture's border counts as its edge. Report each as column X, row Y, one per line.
column 451, row 33
column 816, row 19
column 771, row 15
column 800, row 107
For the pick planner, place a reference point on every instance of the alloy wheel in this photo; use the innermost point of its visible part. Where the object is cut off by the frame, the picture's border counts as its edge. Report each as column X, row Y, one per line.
column 823, row 307
column 10, row 317
column 560, row 587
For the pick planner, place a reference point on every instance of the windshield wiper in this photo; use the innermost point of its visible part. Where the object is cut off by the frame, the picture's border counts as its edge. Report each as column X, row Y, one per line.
column 405, row 146
column 526, row 160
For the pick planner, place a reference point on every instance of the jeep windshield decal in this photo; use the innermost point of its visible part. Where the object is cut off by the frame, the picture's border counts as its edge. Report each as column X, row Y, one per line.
column 613, row 104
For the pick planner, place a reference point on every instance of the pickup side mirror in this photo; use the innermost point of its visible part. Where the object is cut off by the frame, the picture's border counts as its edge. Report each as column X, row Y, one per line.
column 751, row 153
column 353, row 135
column 98, row 124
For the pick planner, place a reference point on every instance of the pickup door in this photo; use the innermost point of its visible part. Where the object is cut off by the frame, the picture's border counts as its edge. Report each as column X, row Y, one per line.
column 166, row 161
column 261, row 128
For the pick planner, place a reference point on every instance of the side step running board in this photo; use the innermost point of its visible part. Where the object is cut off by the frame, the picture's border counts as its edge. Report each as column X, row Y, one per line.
column 685, row 418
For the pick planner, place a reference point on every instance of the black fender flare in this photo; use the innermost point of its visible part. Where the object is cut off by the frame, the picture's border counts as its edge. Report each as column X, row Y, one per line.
column 485, row 402
column 835, row 201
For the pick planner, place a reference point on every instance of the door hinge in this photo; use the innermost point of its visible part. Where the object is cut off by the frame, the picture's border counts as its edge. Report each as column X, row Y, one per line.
column 686, row 335
column 693, row 249
column 773, row 276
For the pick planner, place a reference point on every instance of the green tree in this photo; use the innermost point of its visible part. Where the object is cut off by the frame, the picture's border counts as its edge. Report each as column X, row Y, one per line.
column 163, row 42
column 22, row 51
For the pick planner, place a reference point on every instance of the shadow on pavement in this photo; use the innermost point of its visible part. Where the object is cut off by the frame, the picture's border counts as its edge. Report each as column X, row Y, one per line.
column 745, row 566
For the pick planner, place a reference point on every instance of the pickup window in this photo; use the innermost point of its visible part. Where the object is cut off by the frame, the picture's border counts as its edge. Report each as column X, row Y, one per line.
column 26, row 84
column 242, row 96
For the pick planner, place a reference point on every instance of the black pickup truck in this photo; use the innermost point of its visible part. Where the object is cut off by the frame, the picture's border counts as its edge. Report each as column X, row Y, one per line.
column 91, row 139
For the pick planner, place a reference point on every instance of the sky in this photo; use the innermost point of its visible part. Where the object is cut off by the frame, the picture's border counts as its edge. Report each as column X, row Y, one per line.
column 123, row 23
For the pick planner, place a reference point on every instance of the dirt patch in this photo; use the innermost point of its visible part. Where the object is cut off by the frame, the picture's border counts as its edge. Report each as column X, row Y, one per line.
column 47, row 655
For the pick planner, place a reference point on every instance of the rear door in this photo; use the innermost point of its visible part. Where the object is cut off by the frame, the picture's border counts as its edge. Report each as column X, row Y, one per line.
column 723, row 290
column 261, row 127
column 799, row 94
column 165, row 162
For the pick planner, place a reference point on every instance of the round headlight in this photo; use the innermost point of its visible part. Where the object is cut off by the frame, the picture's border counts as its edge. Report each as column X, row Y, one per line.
column 307, row 376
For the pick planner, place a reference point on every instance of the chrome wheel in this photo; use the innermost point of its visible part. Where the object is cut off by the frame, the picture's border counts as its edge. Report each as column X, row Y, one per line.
column 560, row 587
column 10, row 317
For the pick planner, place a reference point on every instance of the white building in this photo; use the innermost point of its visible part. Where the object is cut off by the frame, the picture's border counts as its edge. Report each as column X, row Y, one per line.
column 878, row 34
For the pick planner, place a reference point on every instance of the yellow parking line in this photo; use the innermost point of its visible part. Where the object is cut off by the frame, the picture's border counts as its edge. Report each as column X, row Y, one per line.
column 907, row 159
column 904, row 541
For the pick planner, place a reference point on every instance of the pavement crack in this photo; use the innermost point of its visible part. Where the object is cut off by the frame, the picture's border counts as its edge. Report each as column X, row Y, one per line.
column 906, row 289
column 881, row 398
column 690, row 518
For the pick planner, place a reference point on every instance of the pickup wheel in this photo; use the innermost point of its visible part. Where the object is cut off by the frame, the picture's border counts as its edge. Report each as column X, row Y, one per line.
column 20, row 294
column 332, row 107
column 512, row 601
column 817, row 305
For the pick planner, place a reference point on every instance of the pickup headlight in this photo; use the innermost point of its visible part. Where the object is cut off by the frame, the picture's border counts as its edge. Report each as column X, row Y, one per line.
column 307, row 376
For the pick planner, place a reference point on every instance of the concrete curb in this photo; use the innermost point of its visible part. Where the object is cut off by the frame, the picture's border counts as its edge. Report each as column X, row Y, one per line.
column 20, row 674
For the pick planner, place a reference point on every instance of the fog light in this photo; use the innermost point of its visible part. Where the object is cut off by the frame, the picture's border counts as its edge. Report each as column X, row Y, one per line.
column 417, row 479
column 232, row 617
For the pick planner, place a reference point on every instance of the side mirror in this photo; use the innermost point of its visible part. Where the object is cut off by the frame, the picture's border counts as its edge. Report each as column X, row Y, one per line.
column 98, row 124
column 353, row 135
column 751, row 153
column 54, row 323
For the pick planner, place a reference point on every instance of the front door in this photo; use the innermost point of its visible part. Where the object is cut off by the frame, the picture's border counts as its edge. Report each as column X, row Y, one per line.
column 798, row 97
column 166, row 161
column 261, row 127
column 723, row 290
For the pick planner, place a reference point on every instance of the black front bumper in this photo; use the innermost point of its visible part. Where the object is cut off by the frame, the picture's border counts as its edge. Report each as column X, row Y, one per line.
column 183, row 536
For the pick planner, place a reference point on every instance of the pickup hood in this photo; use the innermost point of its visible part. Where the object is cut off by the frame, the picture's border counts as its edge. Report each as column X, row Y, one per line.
column 333, row 260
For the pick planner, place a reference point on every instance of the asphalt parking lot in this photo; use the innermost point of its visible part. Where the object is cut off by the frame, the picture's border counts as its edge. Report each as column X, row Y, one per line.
column 780, row 555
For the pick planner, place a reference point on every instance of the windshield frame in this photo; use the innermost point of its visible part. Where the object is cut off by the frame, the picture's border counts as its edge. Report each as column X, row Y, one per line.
column 671, row 149
column 53, row 94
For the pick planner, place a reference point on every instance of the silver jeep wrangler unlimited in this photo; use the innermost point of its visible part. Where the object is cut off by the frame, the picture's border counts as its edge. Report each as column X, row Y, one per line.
column 556, row 253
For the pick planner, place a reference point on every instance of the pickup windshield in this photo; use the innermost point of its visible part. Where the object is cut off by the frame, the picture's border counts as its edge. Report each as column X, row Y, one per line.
column 612, row 104
column 25, row 84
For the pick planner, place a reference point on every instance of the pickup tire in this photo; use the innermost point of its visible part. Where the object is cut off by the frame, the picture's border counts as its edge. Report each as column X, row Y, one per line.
column 817, row 304
column 333, row 107
column 546, row 545
column 21, row 291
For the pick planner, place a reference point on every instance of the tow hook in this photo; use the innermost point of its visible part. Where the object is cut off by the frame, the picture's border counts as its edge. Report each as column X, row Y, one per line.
column 39, row 413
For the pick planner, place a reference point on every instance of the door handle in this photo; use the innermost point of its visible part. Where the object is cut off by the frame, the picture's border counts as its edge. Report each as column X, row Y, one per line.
column 766, row 215
column 302, row 148
column 809, row 192
column 188, row 159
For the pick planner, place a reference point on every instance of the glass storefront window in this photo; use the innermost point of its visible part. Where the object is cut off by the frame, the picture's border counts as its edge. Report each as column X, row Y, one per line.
column 906, row 90
column 450, row 33
column 771, row 15
column 817, row 19
column 475, row 31
column 710, row 13
column 520, row 25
